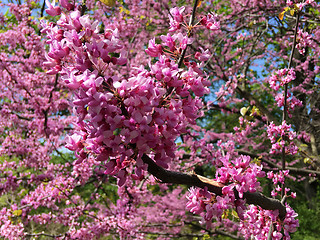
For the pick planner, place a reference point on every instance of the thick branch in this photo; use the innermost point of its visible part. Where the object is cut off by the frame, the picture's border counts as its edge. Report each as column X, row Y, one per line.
column 167, row 176
column 195, row 180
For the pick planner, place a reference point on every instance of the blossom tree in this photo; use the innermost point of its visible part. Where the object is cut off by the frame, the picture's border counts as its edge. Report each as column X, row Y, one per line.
column 143, row 119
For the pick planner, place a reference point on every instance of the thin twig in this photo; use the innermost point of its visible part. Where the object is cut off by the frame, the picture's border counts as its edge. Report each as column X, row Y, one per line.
column 284, row 117
column 95, row 191
column 43, row 234
column 214, row 231
column 285, row 107
column 293, row 170
column 193, row 15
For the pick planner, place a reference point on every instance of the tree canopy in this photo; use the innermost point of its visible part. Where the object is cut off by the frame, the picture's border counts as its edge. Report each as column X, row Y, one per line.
column 159, row 119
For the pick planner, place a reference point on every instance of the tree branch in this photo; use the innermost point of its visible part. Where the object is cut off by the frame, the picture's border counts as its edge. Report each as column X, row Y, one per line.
column 249, row 97
column 298, row 171
column 285, row 106
column 195, row 180
column 195, row 5
column 214, row 231
column 44, row 234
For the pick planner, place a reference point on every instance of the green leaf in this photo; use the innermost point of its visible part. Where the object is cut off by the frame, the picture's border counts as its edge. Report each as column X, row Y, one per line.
column 17, row 213
column 244, row 110
column 307, row 160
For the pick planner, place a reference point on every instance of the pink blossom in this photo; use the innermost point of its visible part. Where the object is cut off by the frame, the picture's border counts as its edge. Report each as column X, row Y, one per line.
column 304, row 40
column 66, row 4
column 53, row 10
column 74, row 142
column 211, row 22
column 168, row 41
column 154, row 50
column 194, row 203
column 177, row 13
column 176, row 18
column 203, row 56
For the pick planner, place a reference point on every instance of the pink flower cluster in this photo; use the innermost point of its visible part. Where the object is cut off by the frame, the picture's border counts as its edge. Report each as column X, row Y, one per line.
column 209, row 21
column 241, row 173
column 290, row 223
column 279, row 178
column 208, row 205
column 255, row 220
column 120, row 119
column 292, row 102
column 8, row 228
column 304, row 40
column 176, row 18
column 175, row 44
column 281, row 77
column 257, row 223
column 277, row 136
column 10, row 181
column 54, row 10
column 203, row 55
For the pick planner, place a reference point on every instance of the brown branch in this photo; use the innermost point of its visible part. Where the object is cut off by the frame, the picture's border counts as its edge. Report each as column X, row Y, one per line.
column 285, row 106
column 195, row 180
column 189, row 31
column 174, row 235
column 83, row 7
column 227, row 109
column 298, row 171
column 249, row 97
column 44, row 234
column 214, row 231
column 42, row 10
